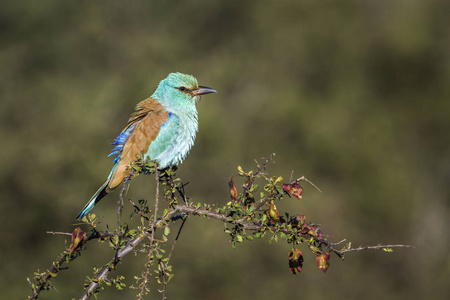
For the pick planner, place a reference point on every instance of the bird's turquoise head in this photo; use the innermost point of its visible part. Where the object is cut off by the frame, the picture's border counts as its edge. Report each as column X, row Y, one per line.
column 180, row 92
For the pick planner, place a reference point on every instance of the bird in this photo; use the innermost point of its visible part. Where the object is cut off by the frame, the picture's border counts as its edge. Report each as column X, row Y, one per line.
column 162, row 128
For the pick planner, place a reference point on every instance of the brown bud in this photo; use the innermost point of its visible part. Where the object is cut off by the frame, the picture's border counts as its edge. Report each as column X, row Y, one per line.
column 233, row 191
column 273, row 213
column 77, row 240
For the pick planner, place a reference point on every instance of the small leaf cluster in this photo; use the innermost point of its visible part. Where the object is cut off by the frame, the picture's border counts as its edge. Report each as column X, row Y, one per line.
column 252, row 213
column 162, row 273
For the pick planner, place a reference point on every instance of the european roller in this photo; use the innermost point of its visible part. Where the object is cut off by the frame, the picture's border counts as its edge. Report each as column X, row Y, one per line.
column 162, row 129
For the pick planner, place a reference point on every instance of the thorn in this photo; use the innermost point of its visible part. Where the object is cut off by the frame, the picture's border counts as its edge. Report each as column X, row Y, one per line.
column 303, row 178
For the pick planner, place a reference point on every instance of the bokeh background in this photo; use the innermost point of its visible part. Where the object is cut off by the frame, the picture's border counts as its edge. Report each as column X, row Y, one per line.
column 352, row 94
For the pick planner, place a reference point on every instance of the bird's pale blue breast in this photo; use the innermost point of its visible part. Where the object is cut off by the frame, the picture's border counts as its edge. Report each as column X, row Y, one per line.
column 174, row 140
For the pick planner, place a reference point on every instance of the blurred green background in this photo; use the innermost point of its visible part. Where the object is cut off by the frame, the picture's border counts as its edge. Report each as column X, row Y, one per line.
column 352, row 94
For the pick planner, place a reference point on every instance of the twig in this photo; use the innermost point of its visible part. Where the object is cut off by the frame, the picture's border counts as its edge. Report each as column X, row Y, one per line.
column 184, row 209
column 258, row 171
column 131, row 245
column 58, row 233
column 151, row 237
column 183, row 195
column 377, row 247
column 138, row 209
column 292, row 176
column 303, row 178
column 155, row 216
column 163, row 271
column 57, row 265
column 122, row 191
column 178, row 235
column 54, row 269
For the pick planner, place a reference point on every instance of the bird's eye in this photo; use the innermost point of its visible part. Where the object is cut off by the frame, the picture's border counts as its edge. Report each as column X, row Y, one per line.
column 182, row 88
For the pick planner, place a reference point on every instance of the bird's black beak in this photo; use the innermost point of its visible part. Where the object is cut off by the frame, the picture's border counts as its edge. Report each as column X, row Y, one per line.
column 202, row 90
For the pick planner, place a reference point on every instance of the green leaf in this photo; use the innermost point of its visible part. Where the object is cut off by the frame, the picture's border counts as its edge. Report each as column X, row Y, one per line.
column 315, row 249
column 279, row 190
column 278, row 179
column 240, row 170
column 166, row 231
column 264, row 218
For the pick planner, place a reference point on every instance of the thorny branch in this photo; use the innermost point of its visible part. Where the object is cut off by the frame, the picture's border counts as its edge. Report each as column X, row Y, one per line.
column 44, row 278
column 184, row 209
column 130, row 247
column 243, row 214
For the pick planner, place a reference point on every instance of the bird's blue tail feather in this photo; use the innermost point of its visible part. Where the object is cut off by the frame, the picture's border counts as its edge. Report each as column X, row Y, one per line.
column 101, row 192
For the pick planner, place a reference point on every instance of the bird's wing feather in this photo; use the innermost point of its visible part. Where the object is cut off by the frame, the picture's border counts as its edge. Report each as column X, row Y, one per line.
column 145, row 123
